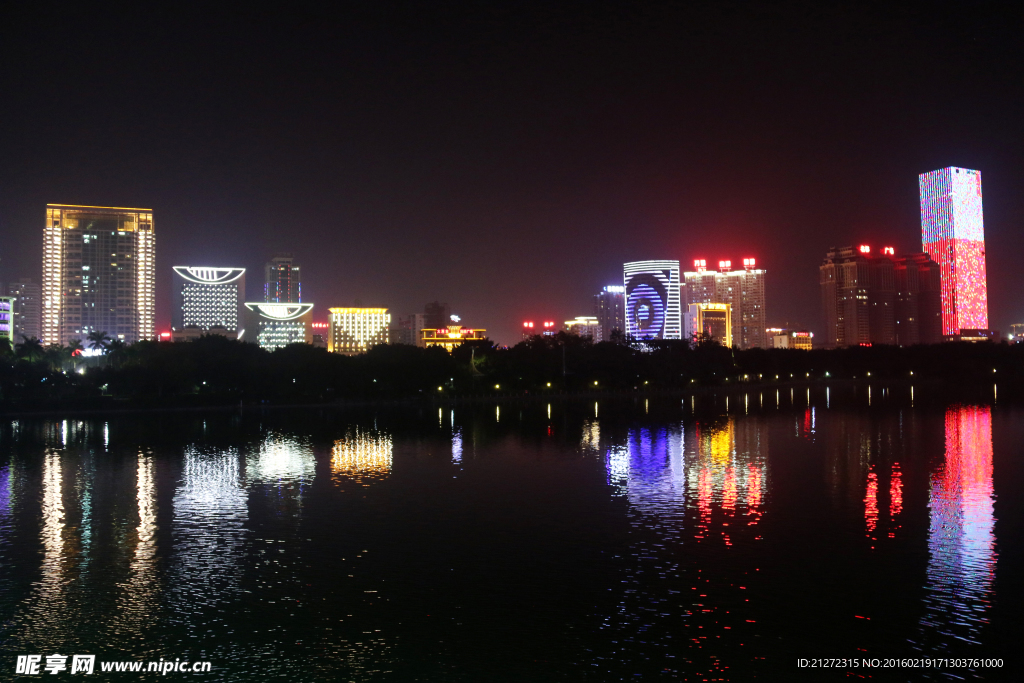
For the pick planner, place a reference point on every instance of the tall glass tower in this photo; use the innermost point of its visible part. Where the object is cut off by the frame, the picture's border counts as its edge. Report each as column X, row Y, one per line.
column 953, row 234
column 98, row 273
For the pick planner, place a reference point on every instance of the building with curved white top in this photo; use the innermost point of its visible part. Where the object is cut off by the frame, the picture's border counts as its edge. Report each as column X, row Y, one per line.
column 273, row 325
column 652, row 300
column 208, row 297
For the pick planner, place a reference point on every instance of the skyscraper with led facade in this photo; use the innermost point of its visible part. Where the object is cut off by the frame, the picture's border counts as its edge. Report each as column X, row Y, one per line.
column 953, row 234
column 652, row 300
column 99, row 273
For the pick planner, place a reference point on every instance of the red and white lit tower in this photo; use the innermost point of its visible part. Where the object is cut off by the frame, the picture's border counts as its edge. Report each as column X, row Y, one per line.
column 953, row 234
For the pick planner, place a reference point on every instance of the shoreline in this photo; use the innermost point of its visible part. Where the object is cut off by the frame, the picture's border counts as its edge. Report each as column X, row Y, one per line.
column 934, row 387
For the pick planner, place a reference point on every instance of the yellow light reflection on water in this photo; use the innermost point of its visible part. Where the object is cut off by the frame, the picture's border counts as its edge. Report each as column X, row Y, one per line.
column 362, row 456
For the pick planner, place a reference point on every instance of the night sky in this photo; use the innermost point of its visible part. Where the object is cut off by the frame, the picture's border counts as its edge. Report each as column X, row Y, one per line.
column 505, row 157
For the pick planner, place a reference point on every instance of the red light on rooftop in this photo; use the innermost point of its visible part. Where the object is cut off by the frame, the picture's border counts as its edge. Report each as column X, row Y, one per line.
column 748, row 263
column 865, row 249
column 549, row 324
column 165, row 335
column 889, row 250
column 528, row 324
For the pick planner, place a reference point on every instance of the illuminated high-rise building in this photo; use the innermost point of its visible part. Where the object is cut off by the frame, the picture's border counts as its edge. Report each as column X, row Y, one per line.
column 953, row 234
column 98, row 273
column 282, row 280
column 879, row 298
column 356, row 330
column 652, row 300
column 610, row 310
column 742, row 289
column 205, row 298
column 27, row 312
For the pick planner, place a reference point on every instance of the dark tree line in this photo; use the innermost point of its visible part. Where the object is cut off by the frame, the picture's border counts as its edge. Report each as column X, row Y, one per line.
column 217, row 371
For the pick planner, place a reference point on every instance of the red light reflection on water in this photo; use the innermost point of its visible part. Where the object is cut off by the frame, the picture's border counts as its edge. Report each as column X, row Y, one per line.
column 754, row 483
column 895, row 497
column 871, row 504
column 961, row 537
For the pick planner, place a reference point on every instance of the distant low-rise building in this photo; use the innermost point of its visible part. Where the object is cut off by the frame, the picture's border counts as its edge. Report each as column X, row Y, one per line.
column 792, row 339
column 450, row 336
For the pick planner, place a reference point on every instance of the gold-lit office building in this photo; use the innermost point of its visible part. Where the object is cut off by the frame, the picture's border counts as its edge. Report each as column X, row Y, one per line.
column 356, row 330
column 450, row 337
column 709, row 321
column 98, row 273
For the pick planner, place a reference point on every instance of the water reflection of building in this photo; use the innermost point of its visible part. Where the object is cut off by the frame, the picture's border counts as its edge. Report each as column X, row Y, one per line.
column 727, row 472
column 139, row 595
column 364, row 456
column 705, row 482
column 961, row 538
column 209, row 535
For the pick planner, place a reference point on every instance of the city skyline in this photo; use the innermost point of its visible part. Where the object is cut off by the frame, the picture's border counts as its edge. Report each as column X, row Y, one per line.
column 540, row 157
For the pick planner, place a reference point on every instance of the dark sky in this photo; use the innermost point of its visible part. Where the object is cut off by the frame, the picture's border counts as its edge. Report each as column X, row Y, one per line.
column 507, row 157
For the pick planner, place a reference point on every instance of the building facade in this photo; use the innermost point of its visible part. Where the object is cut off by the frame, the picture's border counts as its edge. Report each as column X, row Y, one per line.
column 27, row 310
column 918, row 300
column 585, row 326
column 282, row 280
column 610, row 310
column 207, row 298
column 273, row 325
column 953, row 233
column 98, row 273
column 744, row 291
column 356, row 330
column 801, row 340
column 7, row 319
column 709, row 321
column 652, row 299
column 450, row 336
column 878, row 298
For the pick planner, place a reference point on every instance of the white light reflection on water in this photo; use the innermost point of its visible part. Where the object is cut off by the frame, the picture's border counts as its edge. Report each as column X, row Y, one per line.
column 281, row 460
column 961, row 538
column 209, row 541
column 457, row 447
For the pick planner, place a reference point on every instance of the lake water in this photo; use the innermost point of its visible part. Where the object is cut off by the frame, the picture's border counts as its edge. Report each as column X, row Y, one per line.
column 709, row 538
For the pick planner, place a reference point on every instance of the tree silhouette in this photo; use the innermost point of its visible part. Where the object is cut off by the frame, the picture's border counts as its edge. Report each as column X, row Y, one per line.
column 99, row 340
